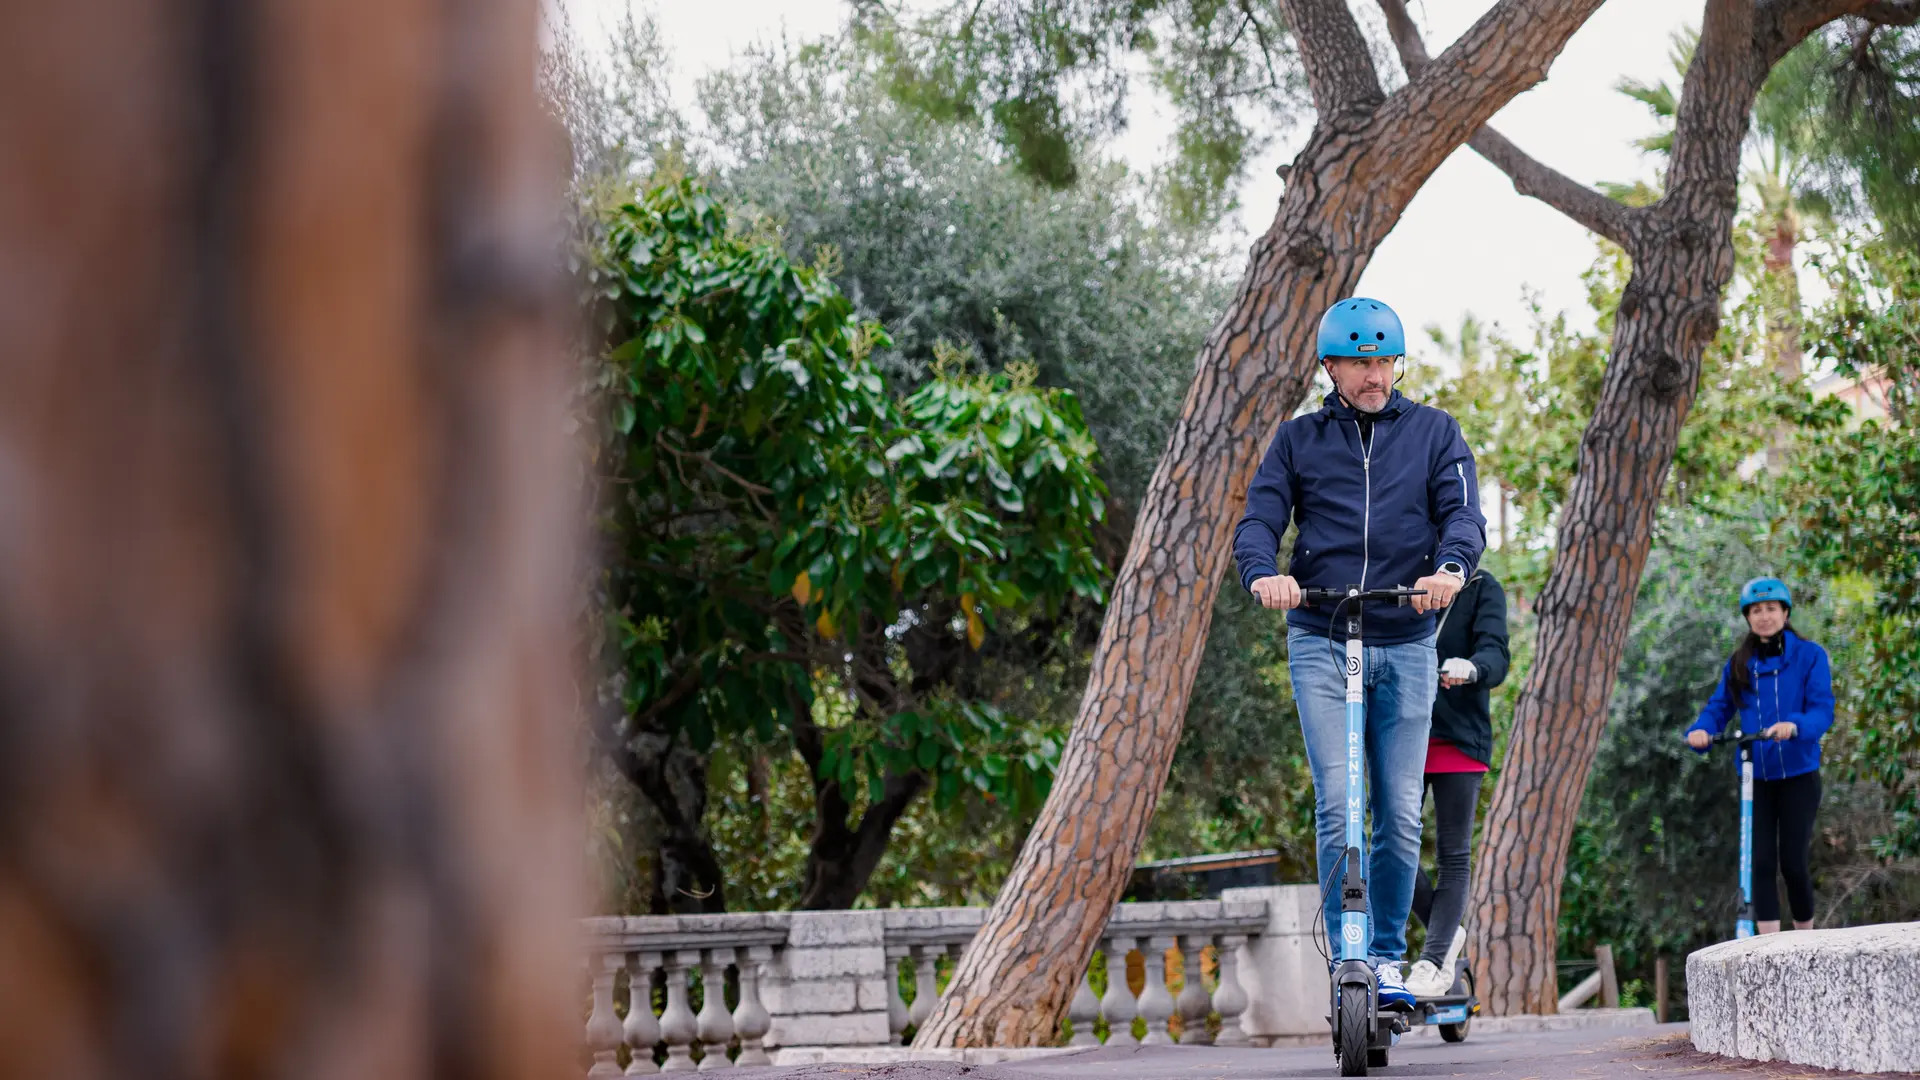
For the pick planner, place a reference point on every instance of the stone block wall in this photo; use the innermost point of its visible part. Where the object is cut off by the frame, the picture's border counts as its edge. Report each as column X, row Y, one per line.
column 1837, row 999
column 1284, row 975
column 829, row 987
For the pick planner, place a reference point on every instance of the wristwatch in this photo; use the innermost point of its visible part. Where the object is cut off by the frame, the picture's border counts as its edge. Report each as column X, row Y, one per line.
column 1454, row 568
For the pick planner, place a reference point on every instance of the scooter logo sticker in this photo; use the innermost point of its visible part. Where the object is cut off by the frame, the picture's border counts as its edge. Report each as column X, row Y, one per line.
column 1353, row 933
column 1353, row 666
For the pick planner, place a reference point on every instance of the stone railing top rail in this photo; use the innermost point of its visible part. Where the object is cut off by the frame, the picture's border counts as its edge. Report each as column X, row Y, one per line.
column 907, row 926
column 661, row 933
column 952, row 926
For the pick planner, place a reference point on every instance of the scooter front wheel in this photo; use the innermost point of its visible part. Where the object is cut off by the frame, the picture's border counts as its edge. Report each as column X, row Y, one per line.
column 1355, row 1029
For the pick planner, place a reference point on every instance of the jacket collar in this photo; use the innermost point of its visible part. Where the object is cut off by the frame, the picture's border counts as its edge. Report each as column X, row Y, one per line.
column 1789, row 644
column 1335, row 406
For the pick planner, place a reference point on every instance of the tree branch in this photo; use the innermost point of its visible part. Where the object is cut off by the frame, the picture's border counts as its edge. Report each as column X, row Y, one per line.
column 1530, row 177
column 1893, row 12
column 1451, row 96
column 1779, row 25
column 1339, row 68
column 898, row 791
column 1537, row 180
column 1406, row 37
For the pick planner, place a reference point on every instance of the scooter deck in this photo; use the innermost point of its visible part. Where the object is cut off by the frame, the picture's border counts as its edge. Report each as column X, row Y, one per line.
column 1450, row 1009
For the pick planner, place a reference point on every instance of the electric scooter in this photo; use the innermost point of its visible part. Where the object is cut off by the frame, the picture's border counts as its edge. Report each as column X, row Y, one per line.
column 1362, row 1033
column 1743, row 922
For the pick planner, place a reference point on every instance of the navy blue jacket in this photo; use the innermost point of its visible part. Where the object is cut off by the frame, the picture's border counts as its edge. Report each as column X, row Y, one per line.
column 1796, row 686
column 1380, row 501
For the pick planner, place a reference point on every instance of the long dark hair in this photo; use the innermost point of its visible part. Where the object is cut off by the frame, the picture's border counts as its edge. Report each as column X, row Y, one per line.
column 1740, row 677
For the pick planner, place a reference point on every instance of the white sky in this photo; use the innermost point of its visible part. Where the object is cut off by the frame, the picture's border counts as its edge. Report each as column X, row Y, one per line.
column 1468, row 242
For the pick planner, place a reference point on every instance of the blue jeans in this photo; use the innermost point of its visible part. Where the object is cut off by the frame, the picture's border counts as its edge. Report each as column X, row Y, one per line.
column 1400, row 682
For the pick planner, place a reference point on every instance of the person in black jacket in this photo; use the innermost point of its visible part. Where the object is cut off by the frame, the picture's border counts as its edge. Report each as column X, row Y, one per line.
column 1473, row 660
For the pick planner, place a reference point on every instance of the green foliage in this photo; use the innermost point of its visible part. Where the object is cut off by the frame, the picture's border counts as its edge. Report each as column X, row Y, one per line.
column 1053, row 79
column 773, row 512
column 1846, row 102
column 1524, row 408
column 1857, row 497
column 937, row 236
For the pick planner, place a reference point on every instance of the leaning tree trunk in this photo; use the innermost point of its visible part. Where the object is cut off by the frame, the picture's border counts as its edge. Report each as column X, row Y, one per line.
column 1682, row 255
column 1014, row 982
column 285, row 787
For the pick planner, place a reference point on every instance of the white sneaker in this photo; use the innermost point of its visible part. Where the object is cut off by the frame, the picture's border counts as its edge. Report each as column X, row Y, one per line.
column 1393, row 992
column 1426, row 980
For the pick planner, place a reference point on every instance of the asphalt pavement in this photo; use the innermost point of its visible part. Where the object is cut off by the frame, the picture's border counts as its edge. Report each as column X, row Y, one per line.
column 1646, row 1053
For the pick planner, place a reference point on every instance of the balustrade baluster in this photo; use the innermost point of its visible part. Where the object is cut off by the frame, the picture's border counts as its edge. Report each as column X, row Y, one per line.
column 603, row 1025
column 924, row 994
column 1083, row 1010
column 1156, row 1005
column 1117, row 1005
column 1194, row 1002
column 677, row 1024
column 896, row 1005
column 642, row 1030
column 750, row 1019
column 1229, row 997
column 715, row 1023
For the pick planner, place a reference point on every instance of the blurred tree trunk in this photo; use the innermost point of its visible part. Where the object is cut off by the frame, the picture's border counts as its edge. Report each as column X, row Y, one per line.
column 285, row 784
column 1682, row 251
column 1014, row 983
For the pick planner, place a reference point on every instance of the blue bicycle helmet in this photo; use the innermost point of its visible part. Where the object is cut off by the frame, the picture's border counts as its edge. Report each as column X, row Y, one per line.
column 1765, row 588
column 1361, row 327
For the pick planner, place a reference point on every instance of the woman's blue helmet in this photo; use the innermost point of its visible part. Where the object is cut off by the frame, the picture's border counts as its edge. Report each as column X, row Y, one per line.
column 1765, row 588
column 1361, row 327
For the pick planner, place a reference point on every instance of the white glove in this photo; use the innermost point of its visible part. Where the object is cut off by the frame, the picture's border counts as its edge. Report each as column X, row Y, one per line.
column 1460, row 669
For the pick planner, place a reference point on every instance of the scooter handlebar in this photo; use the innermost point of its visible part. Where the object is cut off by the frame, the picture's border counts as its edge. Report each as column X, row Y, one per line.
column 1739, row 738
column 1397, row 595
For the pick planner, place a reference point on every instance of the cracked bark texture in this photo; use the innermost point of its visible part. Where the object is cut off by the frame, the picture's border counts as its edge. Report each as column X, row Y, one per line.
column 286, row 785
column 1682, row 252
column 1014, row 982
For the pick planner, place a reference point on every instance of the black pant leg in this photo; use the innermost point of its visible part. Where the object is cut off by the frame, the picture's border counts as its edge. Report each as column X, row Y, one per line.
column 1455, row 797
column 1798, row 800
column 1766, row 848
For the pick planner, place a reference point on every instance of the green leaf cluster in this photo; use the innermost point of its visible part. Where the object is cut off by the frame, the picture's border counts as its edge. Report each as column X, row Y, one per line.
column 1856, row 500
column 771, row 513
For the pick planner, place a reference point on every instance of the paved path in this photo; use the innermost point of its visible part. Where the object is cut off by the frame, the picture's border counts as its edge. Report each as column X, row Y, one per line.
column 1654, row 1053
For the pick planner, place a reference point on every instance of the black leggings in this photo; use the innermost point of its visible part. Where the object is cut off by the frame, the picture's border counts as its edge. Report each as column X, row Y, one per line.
column 1455, row 797
column 1783, row 813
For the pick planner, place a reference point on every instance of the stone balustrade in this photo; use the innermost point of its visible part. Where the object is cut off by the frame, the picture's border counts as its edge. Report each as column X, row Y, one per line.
column 669, row 952
column 811, row 986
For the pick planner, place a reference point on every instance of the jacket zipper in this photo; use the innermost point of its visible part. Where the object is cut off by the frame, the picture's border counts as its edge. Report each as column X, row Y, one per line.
column 1780, row 753
column 1366, row 514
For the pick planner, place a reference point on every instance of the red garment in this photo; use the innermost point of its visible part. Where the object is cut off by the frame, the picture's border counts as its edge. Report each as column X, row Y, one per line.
column 1444, row 757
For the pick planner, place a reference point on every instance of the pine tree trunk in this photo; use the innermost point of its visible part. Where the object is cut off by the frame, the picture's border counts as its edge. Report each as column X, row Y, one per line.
column 285, row 782
column 1014, row 982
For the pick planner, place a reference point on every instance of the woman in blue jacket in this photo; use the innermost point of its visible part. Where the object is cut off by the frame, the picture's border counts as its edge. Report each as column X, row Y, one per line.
column 1777, row 684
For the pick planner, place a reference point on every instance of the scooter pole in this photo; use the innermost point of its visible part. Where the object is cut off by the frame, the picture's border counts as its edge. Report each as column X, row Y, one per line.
column 1355, row 936
column 1743, row 923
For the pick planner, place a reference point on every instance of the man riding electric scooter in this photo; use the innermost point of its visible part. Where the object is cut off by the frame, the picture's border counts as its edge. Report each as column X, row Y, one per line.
column 1384, row 493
